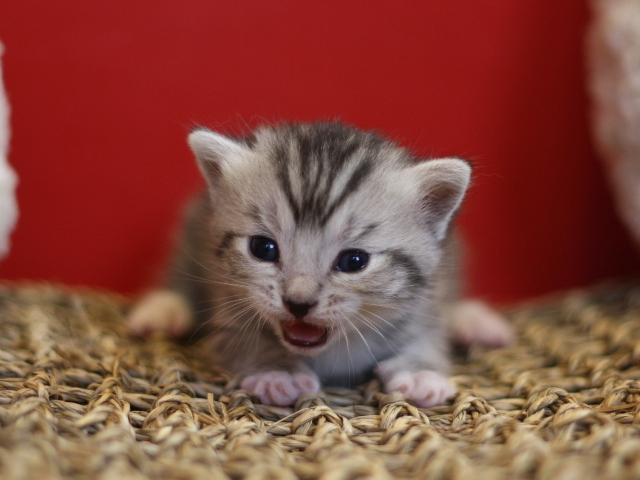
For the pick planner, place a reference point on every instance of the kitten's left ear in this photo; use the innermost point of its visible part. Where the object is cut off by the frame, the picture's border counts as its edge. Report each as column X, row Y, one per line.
column 443, row 183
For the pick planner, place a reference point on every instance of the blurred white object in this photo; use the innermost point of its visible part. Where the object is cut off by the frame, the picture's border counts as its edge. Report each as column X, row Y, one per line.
column 613, row 54
column 8, row 178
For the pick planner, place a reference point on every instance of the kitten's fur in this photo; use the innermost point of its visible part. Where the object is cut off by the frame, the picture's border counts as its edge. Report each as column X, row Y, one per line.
column 319, row 190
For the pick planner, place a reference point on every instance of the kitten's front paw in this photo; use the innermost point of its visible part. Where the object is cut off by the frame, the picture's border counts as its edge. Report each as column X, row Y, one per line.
column 281, row 388
column 162, row 311
column 473, row 322
column 424, row 388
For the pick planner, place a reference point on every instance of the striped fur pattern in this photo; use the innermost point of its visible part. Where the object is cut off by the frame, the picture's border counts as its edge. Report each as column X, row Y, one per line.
column 318, row 190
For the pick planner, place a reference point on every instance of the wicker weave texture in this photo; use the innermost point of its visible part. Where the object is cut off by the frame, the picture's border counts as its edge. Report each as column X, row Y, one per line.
column 80, row 399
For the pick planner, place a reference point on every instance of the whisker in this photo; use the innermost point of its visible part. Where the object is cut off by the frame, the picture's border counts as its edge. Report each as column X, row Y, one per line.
column 236, row 303
column 387, row 322
column 260, row 325
column 220, row 305
column 231, row 320
column 192, row 276
column 335, row 362
column 371, row 325
column 242, row 308
column 346, row 339
column 236, row 317
column 425, row 315
column 244, row 329
column 204, row 266
column 260, row 321
column 224, row 297
column 363, row 339
column 231, row 306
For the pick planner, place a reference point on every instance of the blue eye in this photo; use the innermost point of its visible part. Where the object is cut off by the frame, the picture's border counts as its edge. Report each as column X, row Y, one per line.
column 352, row 260
column 264, row 249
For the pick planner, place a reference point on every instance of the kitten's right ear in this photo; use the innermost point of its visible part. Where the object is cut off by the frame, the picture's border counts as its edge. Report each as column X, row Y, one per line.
column 213, row 152
column 443, row 184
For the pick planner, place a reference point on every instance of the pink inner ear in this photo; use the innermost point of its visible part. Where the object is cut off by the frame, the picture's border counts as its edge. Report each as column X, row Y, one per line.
column 442, row 198
column 441, row 192
column 444, row 182
column 211, row 170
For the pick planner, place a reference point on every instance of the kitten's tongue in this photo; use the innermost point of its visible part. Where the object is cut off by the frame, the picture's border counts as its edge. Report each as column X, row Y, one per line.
column 303, row 334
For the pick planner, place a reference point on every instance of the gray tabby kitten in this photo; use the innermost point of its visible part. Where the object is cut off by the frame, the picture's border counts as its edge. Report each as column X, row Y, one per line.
column 322, row 254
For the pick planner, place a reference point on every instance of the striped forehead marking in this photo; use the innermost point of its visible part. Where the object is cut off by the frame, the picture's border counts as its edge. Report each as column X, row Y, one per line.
column 322, row 156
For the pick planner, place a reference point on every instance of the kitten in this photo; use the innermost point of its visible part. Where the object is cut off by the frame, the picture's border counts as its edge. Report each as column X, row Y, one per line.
column 321, row 254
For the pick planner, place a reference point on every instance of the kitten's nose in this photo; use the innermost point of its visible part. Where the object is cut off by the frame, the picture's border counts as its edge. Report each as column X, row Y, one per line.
column 299, row 310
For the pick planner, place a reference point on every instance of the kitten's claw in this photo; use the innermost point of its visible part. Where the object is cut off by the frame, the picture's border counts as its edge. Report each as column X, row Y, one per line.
column 277, row 387
column 424, row 388
column 473, row 322
column 162, row 311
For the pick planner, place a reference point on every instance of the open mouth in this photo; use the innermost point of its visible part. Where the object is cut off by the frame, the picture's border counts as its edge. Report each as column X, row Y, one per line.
column 303, row 334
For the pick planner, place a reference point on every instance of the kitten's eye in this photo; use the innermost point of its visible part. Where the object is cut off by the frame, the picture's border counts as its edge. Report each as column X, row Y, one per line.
column 352, row 260
column 264, row 248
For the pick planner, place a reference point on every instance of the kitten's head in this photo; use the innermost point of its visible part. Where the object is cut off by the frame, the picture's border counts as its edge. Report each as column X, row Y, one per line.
column 328, row 229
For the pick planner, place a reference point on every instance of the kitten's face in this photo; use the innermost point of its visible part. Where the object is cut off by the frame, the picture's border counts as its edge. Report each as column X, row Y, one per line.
column 330, row 231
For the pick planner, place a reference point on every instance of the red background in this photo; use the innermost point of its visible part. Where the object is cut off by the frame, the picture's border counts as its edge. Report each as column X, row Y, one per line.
column 103, row 94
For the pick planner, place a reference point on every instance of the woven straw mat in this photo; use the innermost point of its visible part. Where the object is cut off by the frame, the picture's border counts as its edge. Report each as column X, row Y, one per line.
column 81, row 399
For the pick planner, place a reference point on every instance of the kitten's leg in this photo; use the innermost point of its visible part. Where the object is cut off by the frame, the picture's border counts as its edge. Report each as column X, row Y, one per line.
column 424, row 387
column 470, row 321
column 418, row 371
column 281, row 387
column 173, row 310
column 163, row 311
column 473, row 322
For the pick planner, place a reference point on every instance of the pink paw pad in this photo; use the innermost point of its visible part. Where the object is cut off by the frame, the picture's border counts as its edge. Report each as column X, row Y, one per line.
column 424, row 388
column 281, row 388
